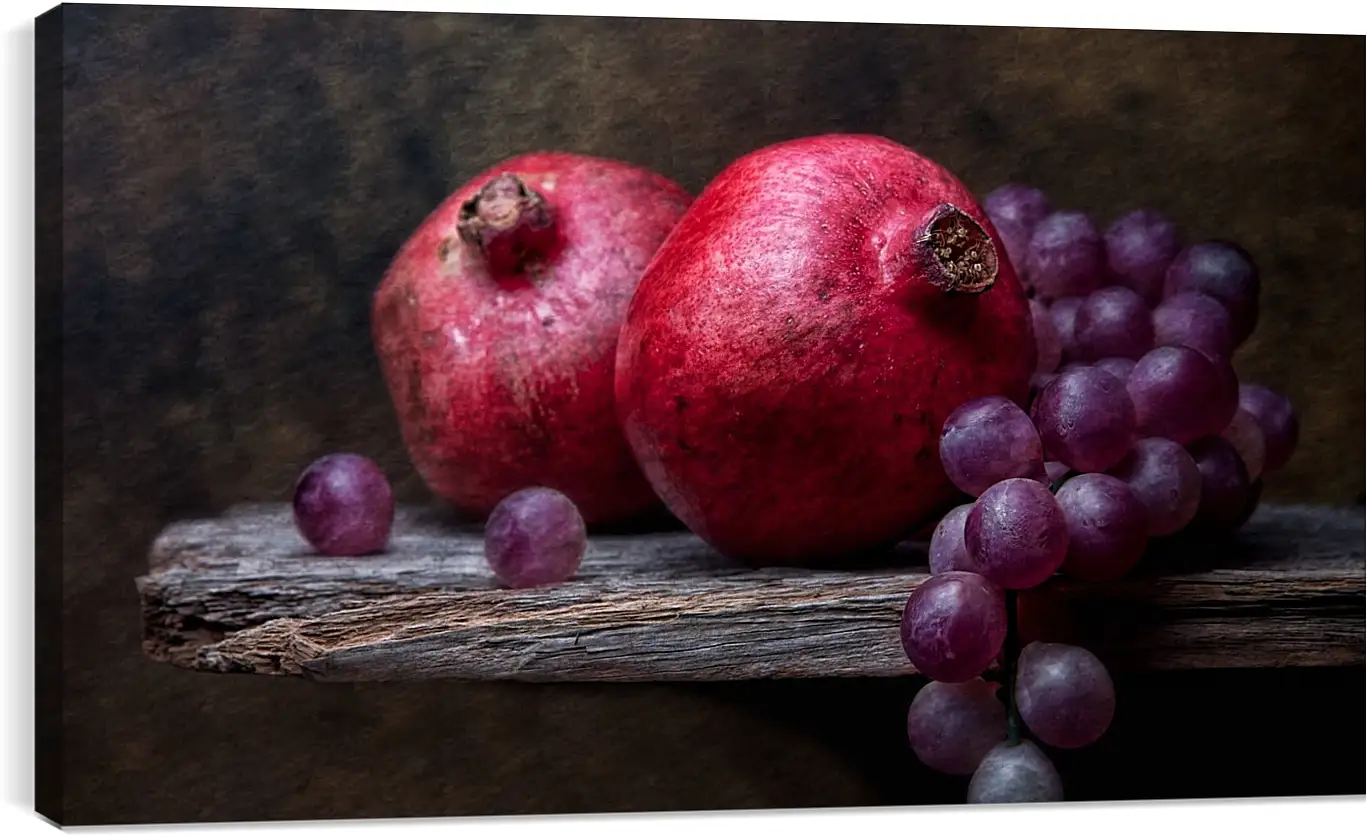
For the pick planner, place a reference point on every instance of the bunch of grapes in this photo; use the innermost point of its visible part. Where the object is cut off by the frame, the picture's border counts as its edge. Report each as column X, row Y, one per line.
column 1137, row 427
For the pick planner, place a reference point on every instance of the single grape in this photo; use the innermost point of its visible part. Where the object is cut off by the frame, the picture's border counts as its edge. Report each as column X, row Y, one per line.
column 1016, row 534
column 1064, row 694
column 1246, row 435
column 1048, row 348
column 1165, row 480
column 1176, row 394
column 947, row 550
column 1063, row 311
column 1224, row 271
column 1113, row 322
column 1019, row 773
column 1139, row 247
column 1193, row 319
column 534, row 537
column 1108, row 528
column 1255, row 494
column 343, row 506
column 1226, row 397
column 951, row 727
column 1118, row 367
column 987, row 440
column 953, row 626
column 1276, row 417
column 1015, row 210
column 1225, row 486
column 1085, row 419
column 1066, row 256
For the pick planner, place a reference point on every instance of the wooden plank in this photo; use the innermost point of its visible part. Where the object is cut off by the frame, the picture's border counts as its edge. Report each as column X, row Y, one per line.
column 242, row 593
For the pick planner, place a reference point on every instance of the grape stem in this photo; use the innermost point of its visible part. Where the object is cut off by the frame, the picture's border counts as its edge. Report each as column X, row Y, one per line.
column 1012, row 649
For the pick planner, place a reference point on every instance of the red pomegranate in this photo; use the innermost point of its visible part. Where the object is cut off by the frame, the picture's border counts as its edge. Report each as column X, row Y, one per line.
column 798, row 341
column 496, row 327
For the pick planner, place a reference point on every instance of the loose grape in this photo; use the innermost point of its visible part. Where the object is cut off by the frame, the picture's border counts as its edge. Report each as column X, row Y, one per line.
column 951, row 727
column 1085, row 419
column 1064, row 694
column 343, row 506
column 953, row 626
column 1107, row 527
column 1164, row 478
column 1016, row 534
column 1113, row 322
column 1019, row 773
column 534, row 537
column 987, row 440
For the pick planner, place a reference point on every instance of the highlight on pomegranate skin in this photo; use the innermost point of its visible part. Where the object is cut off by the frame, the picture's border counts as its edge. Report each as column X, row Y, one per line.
column 343, row 506
column 534, row 537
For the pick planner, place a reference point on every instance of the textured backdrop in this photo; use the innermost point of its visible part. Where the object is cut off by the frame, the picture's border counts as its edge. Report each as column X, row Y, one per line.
column 233, row 183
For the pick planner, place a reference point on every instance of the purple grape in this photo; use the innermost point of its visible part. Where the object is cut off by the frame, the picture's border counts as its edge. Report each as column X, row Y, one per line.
column 1066, row 256
column 1276, row 417
column 1016, row 534
column 953, row 626
column 1018, row 773
column 947, row 550
column 1139, row 247
column 1246, row 436
column 1085, row 419
column 1227, row 397
column 343, row 506
column 951, row 727
column 534, row 537
column 1195, row 320
column 1255, row 494
column 1176, row 394
column 1064, row 694
column 1113, row 322
column 1224, row 271
column 1225, row 487
column 1048, row 348
column 1108, row 527
column 987, row 440
column 1166, row 482
column 1015, row 210
column 1064, row 314
column 1118, row 367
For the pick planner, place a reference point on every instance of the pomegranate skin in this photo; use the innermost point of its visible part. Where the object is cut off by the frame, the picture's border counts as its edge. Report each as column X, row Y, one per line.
column 791, row 354
column 496, row 329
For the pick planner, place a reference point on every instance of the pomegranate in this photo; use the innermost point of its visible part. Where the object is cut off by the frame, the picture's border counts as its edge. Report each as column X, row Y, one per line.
column 800, row 338
column 496, row 329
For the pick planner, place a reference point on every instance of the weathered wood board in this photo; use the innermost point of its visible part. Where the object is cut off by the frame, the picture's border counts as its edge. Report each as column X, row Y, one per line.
column 243, row 593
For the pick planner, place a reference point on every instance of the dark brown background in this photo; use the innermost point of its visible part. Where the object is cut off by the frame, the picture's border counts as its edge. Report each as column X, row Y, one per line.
column 232, row 184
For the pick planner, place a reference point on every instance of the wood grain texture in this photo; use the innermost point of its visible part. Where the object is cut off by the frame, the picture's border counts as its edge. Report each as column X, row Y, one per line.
column 242, row 593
